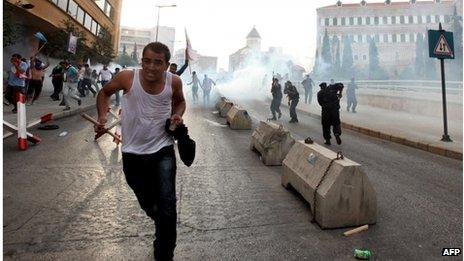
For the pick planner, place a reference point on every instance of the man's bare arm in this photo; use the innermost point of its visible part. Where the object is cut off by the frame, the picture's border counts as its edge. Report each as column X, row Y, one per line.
column 120, row 82
column 178, row 100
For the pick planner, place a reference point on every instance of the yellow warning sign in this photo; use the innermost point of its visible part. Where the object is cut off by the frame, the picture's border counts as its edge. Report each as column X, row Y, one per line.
column 442, row 47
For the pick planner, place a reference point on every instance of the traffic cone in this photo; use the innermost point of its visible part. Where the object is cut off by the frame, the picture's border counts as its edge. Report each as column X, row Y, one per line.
column 22, row 123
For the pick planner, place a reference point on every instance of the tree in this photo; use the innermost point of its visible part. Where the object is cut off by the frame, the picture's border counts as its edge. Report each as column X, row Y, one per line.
column 134, row 53
column 347, row 59
column 375, row 71
column 10, row 30
column 456, row 63
column 102, row 48
column 126, row 60
column 57, row 46
column 430, row 63
column 124, row 49
column 326, row 54
column 337, row 62
column 419, row 61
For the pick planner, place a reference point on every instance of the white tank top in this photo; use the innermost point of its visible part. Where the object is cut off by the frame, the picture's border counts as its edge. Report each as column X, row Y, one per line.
column 143, row 117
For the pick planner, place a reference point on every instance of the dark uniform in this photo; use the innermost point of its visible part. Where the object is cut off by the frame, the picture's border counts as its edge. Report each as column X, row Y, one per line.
column 329, row 99
column 351, row 96
column 293, row 98
column 276, row 91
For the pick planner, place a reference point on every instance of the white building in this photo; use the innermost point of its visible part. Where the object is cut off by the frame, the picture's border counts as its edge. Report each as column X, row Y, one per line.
column 130, row 36
column 393, row 25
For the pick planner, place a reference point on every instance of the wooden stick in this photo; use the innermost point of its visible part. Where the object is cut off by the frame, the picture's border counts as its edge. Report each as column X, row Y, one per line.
column 92, row 120
column 356, row 230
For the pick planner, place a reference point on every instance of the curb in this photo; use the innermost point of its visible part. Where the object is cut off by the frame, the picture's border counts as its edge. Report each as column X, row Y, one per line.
column 64, row 114
column 396, row 139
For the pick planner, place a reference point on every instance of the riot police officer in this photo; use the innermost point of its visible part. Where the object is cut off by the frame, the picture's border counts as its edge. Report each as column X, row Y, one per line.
column 329, row 99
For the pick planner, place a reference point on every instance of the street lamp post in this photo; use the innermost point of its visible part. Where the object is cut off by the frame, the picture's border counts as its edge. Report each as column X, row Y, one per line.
column 157, row 23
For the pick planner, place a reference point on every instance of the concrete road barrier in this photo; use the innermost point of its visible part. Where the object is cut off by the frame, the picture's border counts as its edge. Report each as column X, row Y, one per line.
column 219, row 102
column 225, row 107
column 238, row 119
column 272, row 141
column 338, row 191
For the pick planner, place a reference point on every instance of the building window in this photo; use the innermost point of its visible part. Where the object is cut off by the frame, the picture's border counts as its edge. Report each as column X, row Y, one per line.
column 402, row 19
column 389, row 20
column 447, row 19
column 377, row 38
column 80, row 15
column 403, row 38
column 322, row 22
column 351, row 20
column 97, row 29
column 394, row 38
column 411, row 37
column 415, row 19
column 384, row 20
column 330, row 22
column 389, row 37
column 326, row 21
column 442, row 18
column 359, row 21
column 72, row 8
column 376, row 20
column 334, row 21
column 393, row 19
column 368, row 20
column 63, row 4
column 108, row 10
column 411, row 19
column 343, row 20
column 429, row 19
column 88, row 21
column 355, row 57
column 101, row 4
column 364, row 38
column 352, row 38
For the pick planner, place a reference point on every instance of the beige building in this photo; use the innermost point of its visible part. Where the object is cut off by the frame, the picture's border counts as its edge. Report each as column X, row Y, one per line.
column 131, row 36
column 88, row 15
column 253, row 46
column 202, row 64
column 393, row 25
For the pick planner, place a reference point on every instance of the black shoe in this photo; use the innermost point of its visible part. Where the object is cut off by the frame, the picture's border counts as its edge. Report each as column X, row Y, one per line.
column 272, row 119
column 14, row 110
column 327, row 142
column 280, row 115
column 62, row 104
column 354, row 111
column 79, row 102
column 339, row 141
column 67, row 108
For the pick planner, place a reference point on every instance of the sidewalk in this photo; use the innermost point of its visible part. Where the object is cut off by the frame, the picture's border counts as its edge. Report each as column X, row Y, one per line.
column 417, row 131
column 45, row 105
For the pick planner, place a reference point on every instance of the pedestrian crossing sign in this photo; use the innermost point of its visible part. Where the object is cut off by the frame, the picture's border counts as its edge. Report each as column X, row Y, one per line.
column 441, row 44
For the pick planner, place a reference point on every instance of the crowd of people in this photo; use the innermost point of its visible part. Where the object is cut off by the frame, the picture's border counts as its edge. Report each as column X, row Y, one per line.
column 69, row 81
column 328, row 98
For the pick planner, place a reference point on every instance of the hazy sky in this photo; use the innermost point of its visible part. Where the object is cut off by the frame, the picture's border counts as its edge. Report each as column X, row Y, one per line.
column 219, row 27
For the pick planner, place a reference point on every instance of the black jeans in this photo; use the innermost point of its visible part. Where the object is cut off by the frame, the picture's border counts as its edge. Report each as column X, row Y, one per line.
column 152, row 177
column 293, row 104
column 57, row 88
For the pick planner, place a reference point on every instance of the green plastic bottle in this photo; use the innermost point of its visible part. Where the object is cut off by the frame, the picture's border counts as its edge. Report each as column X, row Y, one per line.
column 363, row 254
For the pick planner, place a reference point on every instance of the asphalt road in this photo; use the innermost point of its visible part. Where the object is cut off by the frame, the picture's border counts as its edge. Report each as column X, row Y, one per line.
column 66, row 199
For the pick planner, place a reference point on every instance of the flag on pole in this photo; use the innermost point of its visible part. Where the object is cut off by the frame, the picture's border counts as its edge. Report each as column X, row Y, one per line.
column 72, row 44
column 191, row 54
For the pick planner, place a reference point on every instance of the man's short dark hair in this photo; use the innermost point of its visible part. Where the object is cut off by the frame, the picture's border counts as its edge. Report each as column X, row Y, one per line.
column 158, row 47
column 16, row 55
column 174, row 64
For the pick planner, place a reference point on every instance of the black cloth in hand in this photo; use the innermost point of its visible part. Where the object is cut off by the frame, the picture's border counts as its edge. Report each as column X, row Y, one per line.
column 185, row 144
